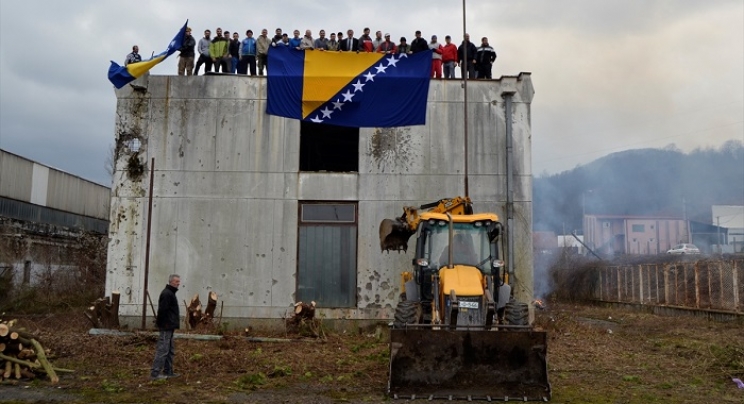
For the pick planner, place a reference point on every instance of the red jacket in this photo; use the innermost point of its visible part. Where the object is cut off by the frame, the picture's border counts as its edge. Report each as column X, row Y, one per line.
column 449, row 53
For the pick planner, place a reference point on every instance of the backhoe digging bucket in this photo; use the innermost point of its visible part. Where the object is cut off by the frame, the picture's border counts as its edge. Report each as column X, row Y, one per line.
column 468, row 365
column 394, row 235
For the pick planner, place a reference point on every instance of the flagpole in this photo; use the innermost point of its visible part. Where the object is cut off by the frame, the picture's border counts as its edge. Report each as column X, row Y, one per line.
column 465, row 103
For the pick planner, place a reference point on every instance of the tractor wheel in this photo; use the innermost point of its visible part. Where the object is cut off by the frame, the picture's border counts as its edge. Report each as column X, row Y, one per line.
column 407, row 312
column 517, row 313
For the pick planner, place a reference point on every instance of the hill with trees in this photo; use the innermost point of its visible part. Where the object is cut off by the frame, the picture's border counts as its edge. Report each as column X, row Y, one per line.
column 642, row 182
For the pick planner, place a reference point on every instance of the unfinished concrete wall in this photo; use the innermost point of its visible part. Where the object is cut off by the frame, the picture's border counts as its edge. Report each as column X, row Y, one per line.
column 227, row 187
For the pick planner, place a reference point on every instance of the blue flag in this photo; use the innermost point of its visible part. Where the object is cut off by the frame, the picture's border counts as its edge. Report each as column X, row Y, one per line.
column 122, row 75
column 348, row 88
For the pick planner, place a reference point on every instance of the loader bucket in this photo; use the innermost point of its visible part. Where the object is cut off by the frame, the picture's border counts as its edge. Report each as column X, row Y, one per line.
column 394, row 235
column 468, row 365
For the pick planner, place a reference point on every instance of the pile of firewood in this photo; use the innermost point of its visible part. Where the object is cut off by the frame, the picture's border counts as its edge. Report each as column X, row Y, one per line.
column 22, row 356
column 104, row 313
column 194, row 315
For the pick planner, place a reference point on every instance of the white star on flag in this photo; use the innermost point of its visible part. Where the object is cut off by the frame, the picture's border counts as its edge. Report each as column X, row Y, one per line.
column 326, row 112
column 381, row 68
column 338, row 104
column 358, row 86
column 316, row 119
column 392, row 61
column 348, row 95
column 369, row 76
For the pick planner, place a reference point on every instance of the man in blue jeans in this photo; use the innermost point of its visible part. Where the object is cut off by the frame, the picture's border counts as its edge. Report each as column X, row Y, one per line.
column 168, row 320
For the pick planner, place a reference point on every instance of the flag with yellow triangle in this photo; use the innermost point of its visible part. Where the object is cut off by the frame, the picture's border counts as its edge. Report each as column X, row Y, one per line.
column 348, row 88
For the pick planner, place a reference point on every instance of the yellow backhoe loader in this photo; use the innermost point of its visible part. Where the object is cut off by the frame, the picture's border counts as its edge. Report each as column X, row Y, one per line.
column 456, row 333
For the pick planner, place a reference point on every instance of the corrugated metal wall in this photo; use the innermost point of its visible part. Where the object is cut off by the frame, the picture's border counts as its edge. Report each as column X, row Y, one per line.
column 26, row 181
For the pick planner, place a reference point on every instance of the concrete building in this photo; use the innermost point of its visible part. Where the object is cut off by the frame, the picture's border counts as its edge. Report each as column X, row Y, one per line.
column 731, row 218
column 43, row 213
column 266, row 211
column 634, row 235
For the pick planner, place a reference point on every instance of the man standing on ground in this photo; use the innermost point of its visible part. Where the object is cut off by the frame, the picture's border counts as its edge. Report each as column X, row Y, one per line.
column 133, row 57
column 247, row 54
column 436, row 57
column 203, row 50
column 186, row 57
column 168, row 320
column 262, row 49
column 485, row 56
column 449, row 58
column 466, row 56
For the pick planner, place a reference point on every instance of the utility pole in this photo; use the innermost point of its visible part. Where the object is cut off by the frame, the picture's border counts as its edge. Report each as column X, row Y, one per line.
column 718, row 232
column 465, row 99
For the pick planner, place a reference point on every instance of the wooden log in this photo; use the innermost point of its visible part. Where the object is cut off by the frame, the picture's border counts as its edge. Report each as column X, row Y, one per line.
column 2, row 347
column 41, row 356
column 8, row 369
column 193, row 310
column 211, row 305
column 102, row 312
column 17, row 371
column 90, row 313
column 28, row 374
column 304, row 311
column 13, row 336
column 36, row 365
column 114, row 310
column 27, row 353
column 4, row 330
column 186, row 317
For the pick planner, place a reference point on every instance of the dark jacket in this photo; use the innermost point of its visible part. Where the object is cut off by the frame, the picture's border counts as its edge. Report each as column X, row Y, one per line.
column 343, row 45
column 485, row 55
column 470, row 56
column 169, row 317
column 187, row 48
column 419, row 45
column 234, row 48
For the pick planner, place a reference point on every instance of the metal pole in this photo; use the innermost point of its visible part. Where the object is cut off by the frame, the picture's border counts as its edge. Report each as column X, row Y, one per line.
column 510, row 230
column 465, row 102
column 147, row 246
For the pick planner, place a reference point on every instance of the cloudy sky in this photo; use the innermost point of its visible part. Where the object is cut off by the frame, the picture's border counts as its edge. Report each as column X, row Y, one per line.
column 609, row 75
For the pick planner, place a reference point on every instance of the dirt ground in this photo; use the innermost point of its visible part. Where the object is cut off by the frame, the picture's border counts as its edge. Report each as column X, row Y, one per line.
column 596, row 355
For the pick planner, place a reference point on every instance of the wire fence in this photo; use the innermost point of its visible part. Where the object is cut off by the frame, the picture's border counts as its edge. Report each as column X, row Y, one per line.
column 712, row 285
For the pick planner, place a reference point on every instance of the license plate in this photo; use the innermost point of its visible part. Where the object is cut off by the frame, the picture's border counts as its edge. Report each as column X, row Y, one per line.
column 469, row 305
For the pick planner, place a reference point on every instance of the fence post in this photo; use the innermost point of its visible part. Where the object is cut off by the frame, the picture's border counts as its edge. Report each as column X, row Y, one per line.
column 735, row 274
column 722, row 293
column 666, row 283
column 618, row 284
column 696, row 269
column 640, row 283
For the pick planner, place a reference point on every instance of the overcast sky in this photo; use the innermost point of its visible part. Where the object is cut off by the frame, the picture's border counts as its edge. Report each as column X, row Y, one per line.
column 608, row 75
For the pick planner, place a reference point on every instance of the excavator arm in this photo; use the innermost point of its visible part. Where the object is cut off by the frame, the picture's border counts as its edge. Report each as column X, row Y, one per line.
column 394, row 233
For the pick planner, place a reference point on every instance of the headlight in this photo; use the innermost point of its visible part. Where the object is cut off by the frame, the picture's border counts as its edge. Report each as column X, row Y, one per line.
column 422, row 262
column 498, row 263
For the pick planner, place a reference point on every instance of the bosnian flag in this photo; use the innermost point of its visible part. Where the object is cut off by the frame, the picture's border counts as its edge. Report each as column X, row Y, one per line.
column 348, row 88
column 122, row 75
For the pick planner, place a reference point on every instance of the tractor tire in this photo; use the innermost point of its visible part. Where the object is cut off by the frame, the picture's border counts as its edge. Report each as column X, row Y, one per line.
column 407, row 312
column 517, row 313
